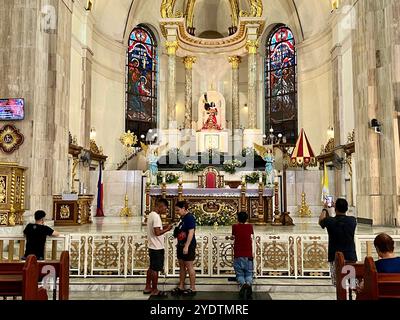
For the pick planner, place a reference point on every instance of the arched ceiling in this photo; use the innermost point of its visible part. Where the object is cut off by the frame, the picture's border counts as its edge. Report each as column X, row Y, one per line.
column 111, row 17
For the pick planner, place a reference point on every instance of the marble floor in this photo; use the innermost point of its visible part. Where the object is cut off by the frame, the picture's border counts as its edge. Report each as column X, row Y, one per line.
column 134, row 224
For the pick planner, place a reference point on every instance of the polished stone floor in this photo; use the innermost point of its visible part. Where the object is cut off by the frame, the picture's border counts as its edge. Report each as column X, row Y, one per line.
column 129, row 225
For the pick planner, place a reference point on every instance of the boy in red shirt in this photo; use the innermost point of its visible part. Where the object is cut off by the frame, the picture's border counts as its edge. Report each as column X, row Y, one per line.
column 243, row 253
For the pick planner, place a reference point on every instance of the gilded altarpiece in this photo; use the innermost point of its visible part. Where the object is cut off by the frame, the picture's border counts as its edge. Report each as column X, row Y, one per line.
column 12, row 194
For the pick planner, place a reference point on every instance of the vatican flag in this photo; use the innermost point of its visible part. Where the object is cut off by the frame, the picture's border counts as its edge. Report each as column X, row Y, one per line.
column 325, row 184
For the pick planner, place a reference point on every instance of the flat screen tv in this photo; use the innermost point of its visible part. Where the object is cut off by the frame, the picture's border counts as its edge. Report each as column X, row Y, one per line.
column 12, row 109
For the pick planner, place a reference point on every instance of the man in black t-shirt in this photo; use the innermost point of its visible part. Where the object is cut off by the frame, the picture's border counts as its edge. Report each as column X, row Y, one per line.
column 36, row 235
column 341, row 230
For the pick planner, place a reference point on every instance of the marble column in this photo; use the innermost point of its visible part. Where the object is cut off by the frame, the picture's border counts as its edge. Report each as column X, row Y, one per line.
column 86, row 109
column 235, row 62
column 36, row 51
column 171, row 46
column 251, row 47
column 188, row 62
column 376, row 76
column 337, row 96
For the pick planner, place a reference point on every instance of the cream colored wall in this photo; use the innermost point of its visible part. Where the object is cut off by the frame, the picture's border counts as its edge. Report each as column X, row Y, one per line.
column 80, row 38
column 108, row 97
column 315, row 89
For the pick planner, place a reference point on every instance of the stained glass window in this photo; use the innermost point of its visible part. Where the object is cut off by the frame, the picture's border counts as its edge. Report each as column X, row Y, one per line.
column 141, row 94
column 280, row 84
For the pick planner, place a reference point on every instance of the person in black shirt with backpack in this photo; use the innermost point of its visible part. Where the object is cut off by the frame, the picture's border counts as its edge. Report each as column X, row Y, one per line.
column 341, row 230
column 36, row 234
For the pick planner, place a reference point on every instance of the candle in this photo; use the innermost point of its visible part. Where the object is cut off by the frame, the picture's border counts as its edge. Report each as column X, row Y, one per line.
column 243, row 179
column 180, row 180
column 260, row 177
column 164, row 178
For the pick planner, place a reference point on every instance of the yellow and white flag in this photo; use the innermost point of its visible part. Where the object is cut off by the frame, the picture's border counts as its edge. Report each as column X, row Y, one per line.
column 325, row 184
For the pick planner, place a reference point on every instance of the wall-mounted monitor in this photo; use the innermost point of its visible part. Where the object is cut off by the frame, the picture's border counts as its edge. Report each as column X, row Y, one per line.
column 12, row 109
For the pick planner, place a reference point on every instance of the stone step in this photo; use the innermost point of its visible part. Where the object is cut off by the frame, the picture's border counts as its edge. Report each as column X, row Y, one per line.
column 204, row 284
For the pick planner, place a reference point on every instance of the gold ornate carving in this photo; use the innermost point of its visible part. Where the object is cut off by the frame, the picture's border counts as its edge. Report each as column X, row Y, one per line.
column 350, row 136
column 252, row 46
column 10, row 139
column 189, row 13
column 234, row 12
column 3, row 189
column 275, row 255
column 128, row 139
column 167, row 8
column 256, row 9
column 3, row 219
column 315, row 255
column 235, row 61
column 190, row 40
column 94, row 148
column 330, row 145
column 64, row 212
column 188, row 61
column 171, row 46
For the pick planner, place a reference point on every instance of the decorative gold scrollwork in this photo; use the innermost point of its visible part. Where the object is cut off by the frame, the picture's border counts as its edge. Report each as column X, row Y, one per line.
column 3, row 189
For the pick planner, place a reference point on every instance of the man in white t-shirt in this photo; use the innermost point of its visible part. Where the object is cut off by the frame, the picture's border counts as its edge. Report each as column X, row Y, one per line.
column 155, row 240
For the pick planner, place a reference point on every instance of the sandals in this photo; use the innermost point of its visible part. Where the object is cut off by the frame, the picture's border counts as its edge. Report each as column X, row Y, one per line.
column 189, row 292
column 160, row 294
column 177, row 291
column 146, row 292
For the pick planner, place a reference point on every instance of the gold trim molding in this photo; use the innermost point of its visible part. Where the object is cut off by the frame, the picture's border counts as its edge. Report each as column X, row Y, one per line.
column 235, row 61
column 191, row 43
column 189, row 61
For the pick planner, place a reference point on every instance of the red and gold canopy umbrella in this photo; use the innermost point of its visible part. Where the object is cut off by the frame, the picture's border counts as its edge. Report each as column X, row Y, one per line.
column 303, row 155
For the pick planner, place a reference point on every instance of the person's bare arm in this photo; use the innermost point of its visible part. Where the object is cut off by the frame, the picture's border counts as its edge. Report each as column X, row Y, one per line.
column 158, row 232
column 188, row 241
column 56, row 234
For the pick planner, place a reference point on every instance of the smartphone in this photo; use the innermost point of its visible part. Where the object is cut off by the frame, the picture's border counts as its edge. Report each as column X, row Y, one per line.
column 329, row 201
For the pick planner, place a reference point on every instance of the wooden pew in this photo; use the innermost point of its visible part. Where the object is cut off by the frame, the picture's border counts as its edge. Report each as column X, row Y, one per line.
column 341, row 293
column 23, row 283
column 61, row 267
column 380, row 285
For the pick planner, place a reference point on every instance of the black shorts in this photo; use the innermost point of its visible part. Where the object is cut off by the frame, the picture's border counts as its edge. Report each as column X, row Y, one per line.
column 156, row 259
column 191, row 256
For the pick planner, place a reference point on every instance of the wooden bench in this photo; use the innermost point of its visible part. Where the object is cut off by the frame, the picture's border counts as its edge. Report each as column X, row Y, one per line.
column 15, row 269
column 23, row 282
column 341, row 292
column 379, row 285
column 375, row 285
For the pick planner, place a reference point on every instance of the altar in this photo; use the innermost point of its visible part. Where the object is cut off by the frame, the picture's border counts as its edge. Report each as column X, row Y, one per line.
column 218, row 204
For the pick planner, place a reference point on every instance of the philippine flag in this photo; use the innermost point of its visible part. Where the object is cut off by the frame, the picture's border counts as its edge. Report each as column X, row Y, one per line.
column 99, row 211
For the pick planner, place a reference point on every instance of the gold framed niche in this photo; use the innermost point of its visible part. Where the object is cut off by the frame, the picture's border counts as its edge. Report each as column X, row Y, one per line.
column 12, row 194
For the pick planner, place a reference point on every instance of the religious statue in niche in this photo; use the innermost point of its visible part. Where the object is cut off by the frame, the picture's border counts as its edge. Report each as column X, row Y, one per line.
column 268, row 156
column 211, row 109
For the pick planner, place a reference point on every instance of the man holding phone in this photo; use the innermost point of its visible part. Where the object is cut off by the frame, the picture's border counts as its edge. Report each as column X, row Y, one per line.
column 341, row 230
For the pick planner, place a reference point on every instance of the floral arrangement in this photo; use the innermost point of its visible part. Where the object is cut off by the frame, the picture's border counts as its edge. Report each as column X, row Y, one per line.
column 255, row 176
column 169, row 178
column 231, row 165
column 224, row 218
column 191, row 166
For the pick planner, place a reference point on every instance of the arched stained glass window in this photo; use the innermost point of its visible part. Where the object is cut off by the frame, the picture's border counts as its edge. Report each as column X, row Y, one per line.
column 141, row 94
column 280, row 84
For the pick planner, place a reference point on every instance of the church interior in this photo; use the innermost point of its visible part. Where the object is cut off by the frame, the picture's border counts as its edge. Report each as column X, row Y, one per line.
column 276, row 108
